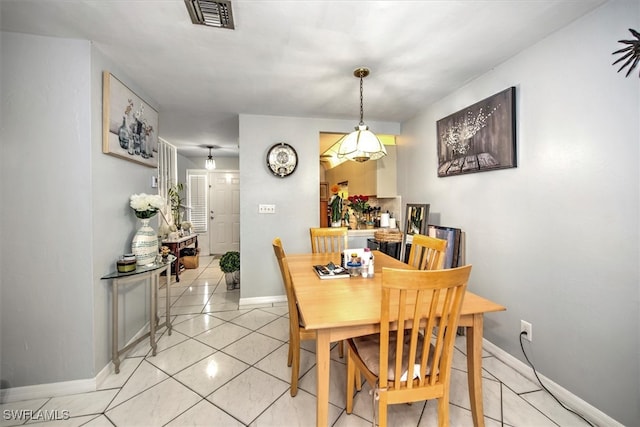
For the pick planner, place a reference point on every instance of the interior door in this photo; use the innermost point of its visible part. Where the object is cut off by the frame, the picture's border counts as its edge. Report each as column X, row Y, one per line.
column 224, row 212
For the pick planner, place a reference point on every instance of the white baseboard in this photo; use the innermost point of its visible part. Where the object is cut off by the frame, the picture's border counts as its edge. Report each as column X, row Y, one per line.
column 571, row 400
column 259, row 302
column 40, row 391
column 104, row 373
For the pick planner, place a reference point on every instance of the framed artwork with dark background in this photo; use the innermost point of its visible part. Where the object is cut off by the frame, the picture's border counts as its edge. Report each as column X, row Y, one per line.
column 479, row 138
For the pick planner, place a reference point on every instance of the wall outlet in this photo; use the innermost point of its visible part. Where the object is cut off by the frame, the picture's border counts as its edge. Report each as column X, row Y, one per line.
column 267, row 209
column 528, row 329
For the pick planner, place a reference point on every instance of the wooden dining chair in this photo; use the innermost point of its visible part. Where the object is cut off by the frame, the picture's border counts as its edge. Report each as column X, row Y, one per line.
column 410, row 363
column 427, row 253
column 328, row 239
column 297, row 331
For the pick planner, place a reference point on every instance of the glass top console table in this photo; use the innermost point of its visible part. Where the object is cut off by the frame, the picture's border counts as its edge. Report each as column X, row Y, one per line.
column 147, row 274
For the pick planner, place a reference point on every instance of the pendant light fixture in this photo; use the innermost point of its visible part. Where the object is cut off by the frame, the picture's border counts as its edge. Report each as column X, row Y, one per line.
column 361, row 145
column 210, row 163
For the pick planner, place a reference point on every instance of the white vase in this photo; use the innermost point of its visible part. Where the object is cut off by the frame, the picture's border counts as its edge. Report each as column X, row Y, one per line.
column 145, row 243
column 336, row 224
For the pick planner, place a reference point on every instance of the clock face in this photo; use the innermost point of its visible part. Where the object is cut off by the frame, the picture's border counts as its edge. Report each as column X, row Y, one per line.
column 282, row 159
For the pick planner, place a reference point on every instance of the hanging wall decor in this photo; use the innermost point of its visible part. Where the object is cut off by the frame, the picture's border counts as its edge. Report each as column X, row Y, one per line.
column 129, row 125
column 479, row 138
column 631, row 53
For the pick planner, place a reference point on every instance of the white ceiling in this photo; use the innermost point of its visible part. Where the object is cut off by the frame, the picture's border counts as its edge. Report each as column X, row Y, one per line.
column 295, row 58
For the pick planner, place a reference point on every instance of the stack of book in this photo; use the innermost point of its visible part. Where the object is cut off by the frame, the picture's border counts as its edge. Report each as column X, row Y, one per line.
column 331, row 271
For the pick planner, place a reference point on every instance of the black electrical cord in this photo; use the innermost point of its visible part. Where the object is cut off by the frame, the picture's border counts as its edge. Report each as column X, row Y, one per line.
column 523, row 333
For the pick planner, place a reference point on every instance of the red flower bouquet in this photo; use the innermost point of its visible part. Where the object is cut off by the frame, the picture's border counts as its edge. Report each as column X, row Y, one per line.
column 359, row 203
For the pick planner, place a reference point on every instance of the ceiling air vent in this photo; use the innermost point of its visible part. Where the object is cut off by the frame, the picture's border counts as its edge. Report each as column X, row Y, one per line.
column 211, row 13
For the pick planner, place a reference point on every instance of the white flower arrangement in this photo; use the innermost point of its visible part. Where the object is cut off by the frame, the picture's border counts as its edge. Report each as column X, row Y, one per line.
column 146, row 205
column 186, row 225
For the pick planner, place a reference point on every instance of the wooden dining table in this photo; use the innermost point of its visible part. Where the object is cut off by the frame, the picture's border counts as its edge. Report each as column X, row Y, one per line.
column 338, row 309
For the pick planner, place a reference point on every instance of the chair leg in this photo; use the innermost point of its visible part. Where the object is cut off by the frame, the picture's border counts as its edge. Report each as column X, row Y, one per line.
column 351, row 376
column 443, row 411
column 358, row 379
column 341, row 349
column 290, row 355
column 294, row 347
column 382, row 410
column 294, row 375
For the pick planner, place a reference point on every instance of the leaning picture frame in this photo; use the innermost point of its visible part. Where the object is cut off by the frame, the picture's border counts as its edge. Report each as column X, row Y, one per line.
column 479, row 138
column 453, row 236
column 415, row 222
column 129, row 124
column 416, row 219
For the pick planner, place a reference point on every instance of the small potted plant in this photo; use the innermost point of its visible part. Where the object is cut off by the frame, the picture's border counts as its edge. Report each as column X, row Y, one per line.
column 176, row 201
column 230, row 266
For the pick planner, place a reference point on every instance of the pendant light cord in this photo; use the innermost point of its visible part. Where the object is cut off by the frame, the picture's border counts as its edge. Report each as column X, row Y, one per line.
column 361, row 101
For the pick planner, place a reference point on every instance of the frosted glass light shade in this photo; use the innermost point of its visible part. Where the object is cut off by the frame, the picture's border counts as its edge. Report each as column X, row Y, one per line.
column 361, row 145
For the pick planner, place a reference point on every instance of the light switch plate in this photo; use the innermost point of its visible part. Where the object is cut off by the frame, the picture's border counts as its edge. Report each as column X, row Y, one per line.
column 267, row 209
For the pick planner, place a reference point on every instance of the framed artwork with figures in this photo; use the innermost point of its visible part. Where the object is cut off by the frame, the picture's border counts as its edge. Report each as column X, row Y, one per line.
column 129, row 124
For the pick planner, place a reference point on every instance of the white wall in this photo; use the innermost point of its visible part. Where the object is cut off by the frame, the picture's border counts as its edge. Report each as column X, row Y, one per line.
column 556, row 239
column 46, row 218
column 66, row 213
column 296, row 197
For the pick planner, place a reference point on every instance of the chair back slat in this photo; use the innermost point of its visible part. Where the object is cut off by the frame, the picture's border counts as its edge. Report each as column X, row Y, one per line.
column 427, row 253
column 428, row 304
column 328, row 239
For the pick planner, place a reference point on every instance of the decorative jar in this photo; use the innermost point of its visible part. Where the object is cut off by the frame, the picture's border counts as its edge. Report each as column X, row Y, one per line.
column 145, row 243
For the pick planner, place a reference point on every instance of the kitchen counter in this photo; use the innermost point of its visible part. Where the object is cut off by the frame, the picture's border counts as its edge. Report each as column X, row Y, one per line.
column 366, row 232
column 358, row 238
column 361, row 233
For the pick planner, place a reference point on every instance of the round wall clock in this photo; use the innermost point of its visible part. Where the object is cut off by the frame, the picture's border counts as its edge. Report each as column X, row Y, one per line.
column 282, row 159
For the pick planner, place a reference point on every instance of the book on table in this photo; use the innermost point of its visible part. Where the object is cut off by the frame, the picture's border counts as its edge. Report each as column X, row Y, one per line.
column 331, row 271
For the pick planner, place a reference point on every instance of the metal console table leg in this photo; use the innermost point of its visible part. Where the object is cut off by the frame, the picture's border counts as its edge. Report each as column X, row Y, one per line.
column 150, row 274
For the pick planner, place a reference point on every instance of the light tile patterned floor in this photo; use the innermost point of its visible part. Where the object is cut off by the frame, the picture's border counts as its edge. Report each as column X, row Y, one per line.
column 227, row 367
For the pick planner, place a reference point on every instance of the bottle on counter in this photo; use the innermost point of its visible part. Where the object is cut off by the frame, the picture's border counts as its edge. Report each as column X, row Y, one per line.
column 365, row 262
column 371, row 269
